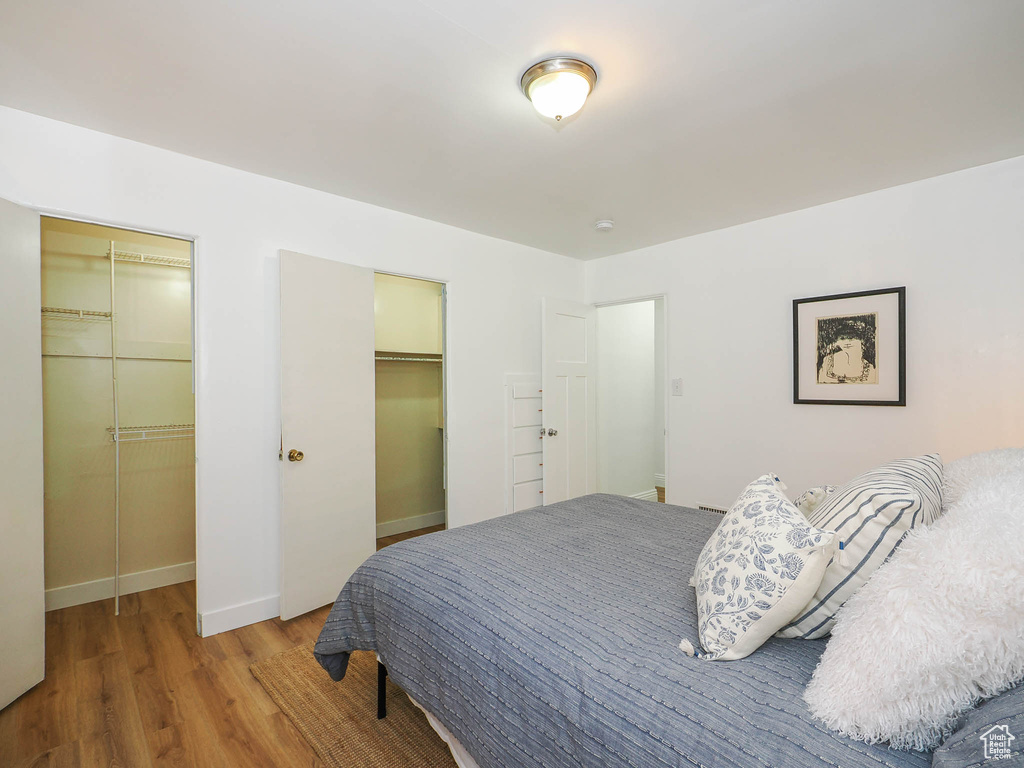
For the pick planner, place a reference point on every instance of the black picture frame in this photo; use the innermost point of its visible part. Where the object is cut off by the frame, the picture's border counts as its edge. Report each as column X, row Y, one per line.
column 872, row 329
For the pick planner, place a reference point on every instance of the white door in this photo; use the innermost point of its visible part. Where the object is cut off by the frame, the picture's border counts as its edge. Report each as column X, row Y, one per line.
column 569, row 399
column 22, row 626
column 328, row 506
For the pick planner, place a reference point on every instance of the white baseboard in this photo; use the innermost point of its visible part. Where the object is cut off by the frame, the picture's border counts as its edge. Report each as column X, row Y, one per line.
column 235, row 616
column 414, row 523
column 651, row 495
column 101, row 589
column 659, row 480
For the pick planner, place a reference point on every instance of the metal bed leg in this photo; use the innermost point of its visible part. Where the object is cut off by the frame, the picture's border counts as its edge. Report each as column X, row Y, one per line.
column 382, row 703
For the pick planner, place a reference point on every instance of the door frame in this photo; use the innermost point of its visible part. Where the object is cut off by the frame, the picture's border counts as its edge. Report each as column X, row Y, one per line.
column 664, row 351
column 446, row 370
column 195, row 240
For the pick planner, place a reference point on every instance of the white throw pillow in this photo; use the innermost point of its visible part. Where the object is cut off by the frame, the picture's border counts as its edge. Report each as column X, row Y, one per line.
column 871, row 514
column 938, row 627
column 811, row 499
column 759, row 567
column 960, row 474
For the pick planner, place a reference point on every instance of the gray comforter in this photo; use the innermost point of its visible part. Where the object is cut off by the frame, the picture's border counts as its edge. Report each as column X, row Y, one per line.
column 549, row 637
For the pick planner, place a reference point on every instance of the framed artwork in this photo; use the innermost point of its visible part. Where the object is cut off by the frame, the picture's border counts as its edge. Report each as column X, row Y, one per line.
column 851, row 348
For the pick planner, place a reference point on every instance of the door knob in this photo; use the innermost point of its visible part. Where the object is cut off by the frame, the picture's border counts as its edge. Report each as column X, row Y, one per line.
column 552, row 432
column 294, row 455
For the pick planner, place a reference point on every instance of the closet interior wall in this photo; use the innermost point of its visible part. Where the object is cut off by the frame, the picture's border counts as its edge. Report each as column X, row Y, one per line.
column 408, row 324
column 154, row 374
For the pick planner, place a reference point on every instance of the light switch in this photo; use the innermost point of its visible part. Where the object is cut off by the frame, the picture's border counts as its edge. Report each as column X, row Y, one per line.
column 677, row 387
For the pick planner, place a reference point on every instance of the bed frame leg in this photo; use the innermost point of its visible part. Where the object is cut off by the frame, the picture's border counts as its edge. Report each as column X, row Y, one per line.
column 382, row 702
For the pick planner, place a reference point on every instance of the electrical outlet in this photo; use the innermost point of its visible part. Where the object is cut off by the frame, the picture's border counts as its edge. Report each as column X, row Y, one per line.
column 677, row 387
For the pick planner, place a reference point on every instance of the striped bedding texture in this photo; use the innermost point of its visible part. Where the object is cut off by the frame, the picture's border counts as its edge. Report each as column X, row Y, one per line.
column 548, row 639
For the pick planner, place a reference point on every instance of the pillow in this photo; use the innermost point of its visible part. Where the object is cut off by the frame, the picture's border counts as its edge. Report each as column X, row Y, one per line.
column 696, row 566
column 811, row 499
column 871, row 515
column 938, row 627
column 958, row 475
column 759, row 567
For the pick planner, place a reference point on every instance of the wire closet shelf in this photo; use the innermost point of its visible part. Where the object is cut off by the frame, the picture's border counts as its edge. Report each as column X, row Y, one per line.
column 408, row 359
column 154, row 432
column 76, row 314
column 148, row 258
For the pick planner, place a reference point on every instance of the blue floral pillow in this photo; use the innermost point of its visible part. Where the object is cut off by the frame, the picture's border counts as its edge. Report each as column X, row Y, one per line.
column 756, row 572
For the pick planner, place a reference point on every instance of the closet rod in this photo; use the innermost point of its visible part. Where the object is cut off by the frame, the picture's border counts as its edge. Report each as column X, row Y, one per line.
column 119, row 357
column 117, row 443
column 409, row 359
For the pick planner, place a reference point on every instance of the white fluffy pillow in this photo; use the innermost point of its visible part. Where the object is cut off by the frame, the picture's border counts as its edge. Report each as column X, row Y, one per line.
column 959, row 475
column 938, row 627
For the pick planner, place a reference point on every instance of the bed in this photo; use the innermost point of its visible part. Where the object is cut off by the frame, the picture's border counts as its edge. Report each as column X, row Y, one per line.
column 549, row 638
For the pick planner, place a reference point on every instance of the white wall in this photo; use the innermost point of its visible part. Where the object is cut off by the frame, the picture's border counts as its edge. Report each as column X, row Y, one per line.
column 955, row 241
column 240, row 221
column 626, row 451
column 659, row 392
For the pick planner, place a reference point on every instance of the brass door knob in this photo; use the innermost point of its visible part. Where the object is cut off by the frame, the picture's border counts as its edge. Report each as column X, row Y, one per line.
column 294, row 455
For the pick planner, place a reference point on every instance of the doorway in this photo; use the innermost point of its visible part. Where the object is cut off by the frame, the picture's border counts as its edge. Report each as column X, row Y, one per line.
column 409, row 327
column 118, row 414
column 631, row 399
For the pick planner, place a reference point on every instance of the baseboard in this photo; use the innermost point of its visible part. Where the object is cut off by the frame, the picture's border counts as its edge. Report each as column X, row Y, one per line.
column 659, row 480
column 235, row 616
column 414, row 523
column 101, row 589
column 651, row 495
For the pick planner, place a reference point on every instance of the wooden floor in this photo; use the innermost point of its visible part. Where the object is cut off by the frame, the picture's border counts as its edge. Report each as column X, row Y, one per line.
column 388, row 540
column 141, row 689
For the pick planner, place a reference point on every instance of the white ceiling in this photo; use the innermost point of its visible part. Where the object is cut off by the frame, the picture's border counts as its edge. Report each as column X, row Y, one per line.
column 706, row 114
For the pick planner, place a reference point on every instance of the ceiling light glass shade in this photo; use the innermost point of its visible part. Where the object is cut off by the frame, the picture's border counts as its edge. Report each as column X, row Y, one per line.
column 559, row 87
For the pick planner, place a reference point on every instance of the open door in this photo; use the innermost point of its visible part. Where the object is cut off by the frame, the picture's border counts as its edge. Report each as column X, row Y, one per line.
column 568, row 375
column 22, row 623
column 328, row 506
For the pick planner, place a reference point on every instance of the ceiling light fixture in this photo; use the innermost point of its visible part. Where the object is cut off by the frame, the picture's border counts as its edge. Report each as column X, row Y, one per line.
column 558, row 87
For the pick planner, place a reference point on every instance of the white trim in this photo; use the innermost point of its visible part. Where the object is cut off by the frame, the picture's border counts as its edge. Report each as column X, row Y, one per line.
column 651, row 495
column 659, row 480
column 242, row 615
column 414, row 523
column 635, row 300
column 511, row 380
column 59, row 213
column 101, row 589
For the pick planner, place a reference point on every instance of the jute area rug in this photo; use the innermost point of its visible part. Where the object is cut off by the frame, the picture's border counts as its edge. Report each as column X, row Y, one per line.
column 339, row 720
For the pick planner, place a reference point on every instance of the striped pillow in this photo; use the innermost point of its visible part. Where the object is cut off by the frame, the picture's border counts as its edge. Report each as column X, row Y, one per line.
column 871, row 514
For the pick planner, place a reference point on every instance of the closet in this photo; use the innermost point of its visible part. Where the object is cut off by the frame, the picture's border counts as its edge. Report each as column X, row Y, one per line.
column 118, row 412
column 409, row 333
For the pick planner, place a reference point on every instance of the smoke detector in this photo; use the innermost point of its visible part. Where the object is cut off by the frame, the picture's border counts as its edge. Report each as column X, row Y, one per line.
column 604, row 225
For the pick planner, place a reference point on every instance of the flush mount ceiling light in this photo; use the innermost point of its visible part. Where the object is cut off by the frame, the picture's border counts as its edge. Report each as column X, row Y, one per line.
column 558, row 87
